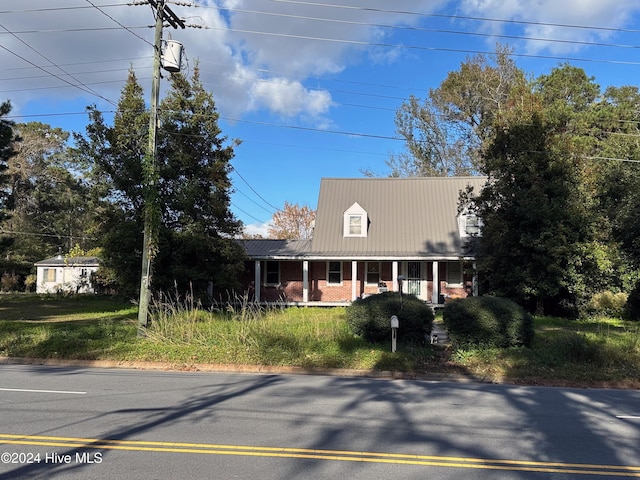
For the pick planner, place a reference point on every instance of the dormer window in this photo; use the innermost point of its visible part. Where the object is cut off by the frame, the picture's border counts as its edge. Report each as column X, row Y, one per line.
column 472, row 224
column 469, row 225
column 355, row 225
column 356, row 221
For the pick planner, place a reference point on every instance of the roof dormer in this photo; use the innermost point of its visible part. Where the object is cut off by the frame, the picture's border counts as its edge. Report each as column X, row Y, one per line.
column 355, row 222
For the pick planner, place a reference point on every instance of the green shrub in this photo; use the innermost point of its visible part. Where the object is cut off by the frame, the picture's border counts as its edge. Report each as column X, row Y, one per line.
column 370, row 318
column 488, row 321
column 632, row 308
column 608, row 303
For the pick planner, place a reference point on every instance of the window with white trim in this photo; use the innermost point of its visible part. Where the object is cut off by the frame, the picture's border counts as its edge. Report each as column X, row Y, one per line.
column 49, row 275
column 373, row 273
column 356, row 221
column 334, row 273
column 469, row 225
column 355, row 225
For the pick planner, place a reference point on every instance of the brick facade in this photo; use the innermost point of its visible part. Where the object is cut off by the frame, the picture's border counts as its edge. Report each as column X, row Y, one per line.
column 290, row 285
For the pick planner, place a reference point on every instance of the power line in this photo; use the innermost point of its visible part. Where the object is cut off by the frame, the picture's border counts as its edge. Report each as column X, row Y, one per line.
column 398, row 27
column 455, row 17
column 270, row 212
column 32, row 234
column 389, row 45
column 433, row 30
column 345, row 7
column 247, row 213
column 80, row 85
column 276, row 125
column 63, row 86
column 254, row 190
column 416, row 47
column 93, row 62
column 121, row 25
column 58, row 9
column 80, row 29
column 307, row 147
column 312, row 129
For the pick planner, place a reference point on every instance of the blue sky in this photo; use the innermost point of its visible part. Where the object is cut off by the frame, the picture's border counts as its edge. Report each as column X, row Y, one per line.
column 311, row 87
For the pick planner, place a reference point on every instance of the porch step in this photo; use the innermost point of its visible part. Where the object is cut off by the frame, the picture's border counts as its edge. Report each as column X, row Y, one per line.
column 439, row 330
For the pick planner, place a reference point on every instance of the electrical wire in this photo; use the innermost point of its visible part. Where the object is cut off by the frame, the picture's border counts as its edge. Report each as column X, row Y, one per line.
column 433, row 30
column 79, row 85
column 270, row 212
column 254, row 190
column 416, row 47
column 121, row 25
column 455, row 17
column 58, row 9
column 247, row 213
column 344, row 7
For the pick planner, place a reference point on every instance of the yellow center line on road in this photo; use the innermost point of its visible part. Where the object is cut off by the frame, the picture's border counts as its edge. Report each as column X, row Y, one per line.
column 318, row 454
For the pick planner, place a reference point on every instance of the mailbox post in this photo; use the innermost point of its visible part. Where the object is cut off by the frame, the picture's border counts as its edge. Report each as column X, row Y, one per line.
column 394, row 332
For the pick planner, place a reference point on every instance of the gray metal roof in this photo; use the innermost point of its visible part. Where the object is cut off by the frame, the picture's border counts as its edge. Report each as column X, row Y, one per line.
column 408, row 217
column 267, row 248
column 61, row 261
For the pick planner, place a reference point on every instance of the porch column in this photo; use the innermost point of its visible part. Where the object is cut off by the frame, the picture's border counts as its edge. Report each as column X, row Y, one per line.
column 305, row 281
column 354, row 280
column 394, row 275
column 435, row 287
column 256, row 281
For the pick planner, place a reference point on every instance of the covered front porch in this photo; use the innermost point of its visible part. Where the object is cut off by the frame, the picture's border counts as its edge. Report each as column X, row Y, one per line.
column 330, row 282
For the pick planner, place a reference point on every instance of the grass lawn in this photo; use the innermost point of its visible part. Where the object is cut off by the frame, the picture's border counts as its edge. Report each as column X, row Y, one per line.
column 601, row 352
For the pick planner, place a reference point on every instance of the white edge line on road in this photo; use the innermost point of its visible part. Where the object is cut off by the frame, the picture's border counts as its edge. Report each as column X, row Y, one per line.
column 637, row 417
column 41, row 391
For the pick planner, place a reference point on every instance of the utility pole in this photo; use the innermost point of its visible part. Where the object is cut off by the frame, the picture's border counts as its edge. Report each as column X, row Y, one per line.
column 150, row 187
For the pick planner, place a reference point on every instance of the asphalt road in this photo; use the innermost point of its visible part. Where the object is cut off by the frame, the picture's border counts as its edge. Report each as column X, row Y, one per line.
column 87, row 423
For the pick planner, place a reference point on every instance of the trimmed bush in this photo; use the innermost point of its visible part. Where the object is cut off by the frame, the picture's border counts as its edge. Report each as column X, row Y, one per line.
column 488, row 321
column 370, row 317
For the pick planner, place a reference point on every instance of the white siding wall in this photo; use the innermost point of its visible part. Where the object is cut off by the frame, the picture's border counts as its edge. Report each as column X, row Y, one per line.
column 68, row 278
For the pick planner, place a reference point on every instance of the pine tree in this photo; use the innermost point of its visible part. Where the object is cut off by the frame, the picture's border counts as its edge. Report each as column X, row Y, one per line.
column 196, row 227
column 194, row 191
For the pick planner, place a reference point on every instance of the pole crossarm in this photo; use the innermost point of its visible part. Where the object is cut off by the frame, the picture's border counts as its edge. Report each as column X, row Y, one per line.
column 167, row 14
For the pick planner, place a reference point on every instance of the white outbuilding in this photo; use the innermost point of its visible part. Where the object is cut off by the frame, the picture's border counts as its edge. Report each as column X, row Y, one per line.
column 66, row 274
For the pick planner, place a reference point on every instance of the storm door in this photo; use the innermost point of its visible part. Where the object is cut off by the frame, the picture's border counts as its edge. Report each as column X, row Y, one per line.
column 414, row 278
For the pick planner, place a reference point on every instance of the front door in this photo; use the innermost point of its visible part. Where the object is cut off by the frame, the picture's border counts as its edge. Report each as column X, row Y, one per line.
column 414, row 278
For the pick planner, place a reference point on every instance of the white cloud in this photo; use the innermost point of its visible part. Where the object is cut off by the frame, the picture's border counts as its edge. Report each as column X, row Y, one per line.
column 46, row 54
column 290, row 98
column 252, row 229
column 258, row 56
column 254, row 55
column 550, row 19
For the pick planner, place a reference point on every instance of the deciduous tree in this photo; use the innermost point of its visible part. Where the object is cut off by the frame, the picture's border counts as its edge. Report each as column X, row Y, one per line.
column 49, row 205
column 292, row 222
column 445, row 133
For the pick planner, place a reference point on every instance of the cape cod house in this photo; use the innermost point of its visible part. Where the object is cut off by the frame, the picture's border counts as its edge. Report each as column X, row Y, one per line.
column 70, row 274
column 371, row 235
